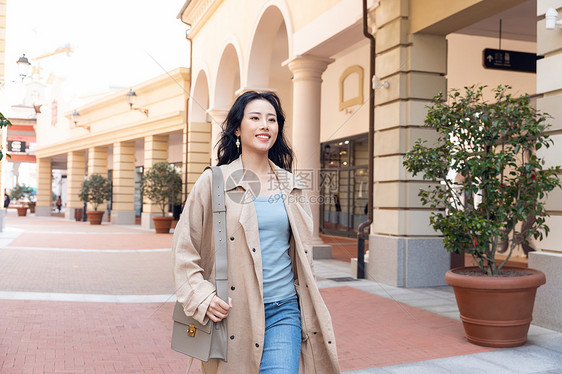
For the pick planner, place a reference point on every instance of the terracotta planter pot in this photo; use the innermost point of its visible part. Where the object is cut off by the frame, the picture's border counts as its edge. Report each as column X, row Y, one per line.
column 32, row 209
column 496, row 311
column 162, row 224
column 22, row 211
column 95, row 217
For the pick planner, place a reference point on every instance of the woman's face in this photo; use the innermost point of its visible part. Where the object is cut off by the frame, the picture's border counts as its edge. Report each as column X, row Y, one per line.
column 258, row 129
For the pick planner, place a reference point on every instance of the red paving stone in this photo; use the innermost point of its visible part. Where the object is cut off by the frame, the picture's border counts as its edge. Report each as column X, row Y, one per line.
column 373, row 331
column 35, row 223
column 138, row 240
column 50, row 337
column 67, row 337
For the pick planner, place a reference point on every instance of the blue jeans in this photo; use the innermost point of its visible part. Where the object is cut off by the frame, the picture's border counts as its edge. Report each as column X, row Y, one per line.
column 282, row 346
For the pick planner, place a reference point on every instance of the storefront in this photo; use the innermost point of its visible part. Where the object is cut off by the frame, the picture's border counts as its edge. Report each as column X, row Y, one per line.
column 344, row 186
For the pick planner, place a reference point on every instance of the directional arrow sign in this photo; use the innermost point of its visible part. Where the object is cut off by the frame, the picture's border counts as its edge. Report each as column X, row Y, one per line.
column 510, row 60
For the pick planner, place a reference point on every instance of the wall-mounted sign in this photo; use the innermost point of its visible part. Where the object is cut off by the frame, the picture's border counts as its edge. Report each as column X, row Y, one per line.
column 510, row 60
column 16, row 146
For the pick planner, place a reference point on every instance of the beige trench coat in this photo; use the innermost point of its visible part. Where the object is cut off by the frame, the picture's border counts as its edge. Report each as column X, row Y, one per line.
column 193, row 261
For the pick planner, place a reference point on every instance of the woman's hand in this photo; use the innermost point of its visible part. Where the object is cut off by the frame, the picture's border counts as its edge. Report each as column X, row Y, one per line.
column 218, row 309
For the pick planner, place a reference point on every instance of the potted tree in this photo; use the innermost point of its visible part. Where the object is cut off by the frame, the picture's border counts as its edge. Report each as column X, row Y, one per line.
column 19, row 193
column 161, row 184
column 488, row 192
column 95, row 190
column 31, row 197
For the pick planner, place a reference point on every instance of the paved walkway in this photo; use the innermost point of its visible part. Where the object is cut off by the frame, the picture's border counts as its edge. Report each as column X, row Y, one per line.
column 76, row 298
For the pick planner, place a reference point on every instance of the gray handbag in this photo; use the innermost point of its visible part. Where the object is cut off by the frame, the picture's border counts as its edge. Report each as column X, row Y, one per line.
column 189, row 336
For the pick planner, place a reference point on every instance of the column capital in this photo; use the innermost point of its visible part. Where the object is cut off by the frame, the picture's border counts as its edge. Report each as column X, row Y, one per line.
column 217, row 115
column 306, row 67
column 241, row 90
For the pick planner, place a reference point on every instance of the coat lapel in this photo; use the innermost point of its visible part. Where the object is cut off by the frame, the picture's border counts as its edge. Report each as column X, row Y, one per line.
column 240, row 208
column 238, row 188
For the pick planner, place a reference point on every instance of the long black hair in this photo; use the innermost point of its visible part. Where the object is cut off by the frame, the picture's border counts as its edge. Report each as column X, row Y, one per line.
column 281, row 154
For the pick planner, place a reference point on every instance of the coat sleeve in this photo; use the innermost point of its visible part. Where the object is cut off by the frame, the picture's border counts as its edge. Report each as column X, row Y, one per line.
column 191, row 251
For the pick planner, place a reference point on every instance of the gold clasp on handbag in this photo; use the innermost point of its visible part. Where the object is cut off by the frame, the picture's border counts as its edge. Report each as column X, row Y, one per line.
column 191, row 330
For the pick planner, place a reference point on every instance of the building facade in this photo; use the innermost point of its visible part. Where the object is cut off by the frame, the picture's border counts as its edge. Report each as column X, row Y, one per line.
column 316, row 57
column 117, row 140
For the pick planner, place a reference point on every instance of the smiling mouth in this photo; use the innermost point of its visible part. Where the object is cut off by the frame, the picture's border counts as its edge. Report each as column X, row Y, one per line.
column 266, row 137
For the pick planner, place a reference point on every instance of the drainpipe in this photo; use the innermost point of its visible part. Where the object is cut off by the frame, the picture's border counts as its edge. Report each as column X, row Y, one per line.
column 364, row 228
column 187, row 107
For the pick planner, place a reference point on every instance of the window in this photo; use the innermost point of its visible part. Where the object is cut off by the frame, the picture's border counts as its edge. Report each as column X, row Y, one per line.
column 344, row 188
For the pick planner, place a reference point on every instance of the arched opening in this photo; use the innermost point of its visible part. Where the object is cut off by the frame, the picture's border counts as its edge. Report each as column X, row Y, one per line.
column 199, row 103
column 228, row 79
column 227, row 84
column 270, row 48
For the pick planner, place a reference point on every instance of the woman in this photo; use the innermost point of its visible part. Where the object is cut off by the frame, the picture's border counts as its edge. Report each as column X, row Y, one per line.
column 277, row 320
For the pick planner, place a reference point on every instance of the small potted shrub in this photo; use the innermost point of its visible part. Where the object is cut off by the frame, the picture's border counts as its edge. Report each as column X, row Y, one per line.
column 95, row 190
column 31, row 197
column 161, row 184
column 19, row 193
column 488, row 191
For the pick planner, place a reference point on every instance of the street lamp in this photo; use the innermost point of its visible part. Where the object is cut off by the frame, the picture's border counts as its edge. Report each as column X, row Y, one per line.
column 131, row 97
column 74, row 116
column 23, row 66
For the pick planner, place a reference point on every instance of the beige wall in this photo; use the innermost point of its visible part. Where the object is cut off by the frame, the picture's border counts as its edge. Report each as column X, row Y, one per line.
column 549, row 83
column 303, row 12
column 465, row 67
column 442, row 17
column 335, row 123
column 47, row 129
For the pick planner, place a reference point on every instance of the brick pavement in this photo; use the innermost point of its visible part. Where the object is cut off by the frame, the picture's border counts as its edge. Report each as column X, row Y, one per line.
column 67, row 337
column 104, row 337
column 373, row 331
column 95, row 240
column 89, row 273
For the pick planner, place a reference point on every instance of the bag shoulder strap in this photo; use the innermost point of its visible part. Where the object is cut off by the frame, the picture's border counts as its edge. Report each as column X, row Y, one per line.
column 219, row 233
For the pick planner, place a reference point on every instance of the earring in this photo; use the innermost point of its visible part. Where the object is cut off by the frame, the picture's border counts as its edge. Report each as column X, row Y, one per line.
column 238, row 144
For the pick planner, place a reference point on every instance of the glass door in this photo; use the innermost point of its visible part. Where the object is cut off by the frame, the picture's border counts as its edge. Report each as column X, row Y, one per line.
column 344, row 186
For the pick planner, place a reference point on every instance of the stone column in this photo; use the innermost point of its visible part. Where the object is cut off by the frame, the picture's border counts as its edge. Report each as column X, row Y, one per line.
column 44, row 188
column 97, row 161
column 307, row 83
column 76, row 171
column 97, row 164
column 404, row 250
column 155, row 150
column 123, row 198
column 548, row 257
column 217, row 118
column 198, row 151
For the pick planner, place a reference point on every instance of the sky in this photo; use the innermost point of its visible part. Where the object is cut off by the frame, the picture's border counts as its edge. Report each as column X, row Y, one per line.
column 117, row 43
